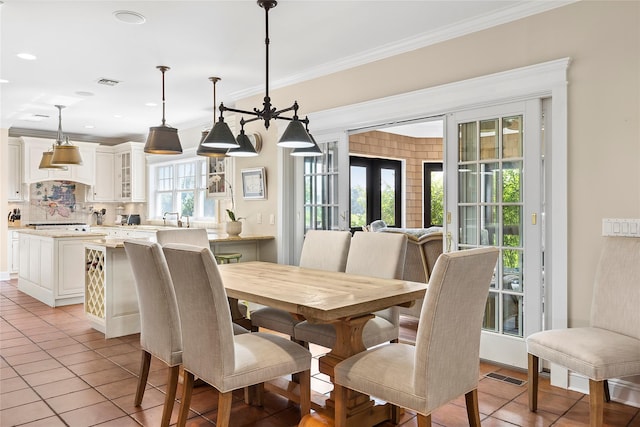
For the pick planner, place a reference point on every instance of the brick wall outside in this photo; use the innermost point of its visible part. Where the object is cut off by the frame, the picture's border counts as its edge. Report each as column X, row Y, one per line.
column 413, row 150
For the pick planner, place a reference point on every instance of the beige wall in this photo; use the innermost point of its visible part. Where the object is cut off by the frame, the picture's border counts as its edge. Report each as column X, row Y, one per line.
column 603, row 40
column 4, row 235
column 414, row 151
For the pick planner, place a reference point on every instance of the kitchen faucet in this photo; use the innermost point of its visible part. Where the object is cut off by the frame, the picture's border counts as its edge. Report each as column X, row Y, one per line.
column 184, row 216
column 177, row 214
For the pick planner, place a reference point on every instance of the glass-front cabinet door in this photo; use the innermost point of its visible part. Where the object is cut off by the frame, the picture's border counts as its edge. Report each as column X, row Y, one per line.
column 495, row 203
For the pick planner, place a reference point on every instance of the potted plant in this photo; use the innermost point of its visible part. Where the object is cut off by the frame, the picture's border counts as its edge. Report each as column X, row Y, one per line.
column 233, row 227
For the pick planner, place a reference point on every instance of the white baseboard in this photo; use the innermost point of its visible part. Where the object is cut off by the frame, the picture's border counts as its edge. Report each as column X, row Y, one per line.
column 5, row 275
column 622, row 391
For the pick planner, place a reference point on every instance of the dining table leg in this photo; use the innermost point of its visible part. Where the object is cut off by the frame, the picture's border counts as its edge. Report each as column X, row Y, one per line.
column 361, row 409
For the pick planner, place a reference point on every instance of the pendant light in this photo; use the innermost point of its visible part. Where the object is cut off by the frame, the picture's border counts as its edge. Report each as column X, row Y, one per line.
column 163, row 139
column 313, row 151
column 204, row 150
column 45, row 162
column 64, row 153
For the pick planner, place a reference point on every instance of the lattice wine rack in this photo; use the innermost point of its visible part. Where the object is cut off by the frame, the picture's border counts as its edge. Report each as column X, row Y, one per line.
column 94, row 300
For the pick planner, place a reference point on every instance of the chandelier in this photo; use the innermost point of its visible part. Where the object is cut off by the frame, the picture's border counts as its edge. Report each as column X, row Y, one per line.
column 294, row 136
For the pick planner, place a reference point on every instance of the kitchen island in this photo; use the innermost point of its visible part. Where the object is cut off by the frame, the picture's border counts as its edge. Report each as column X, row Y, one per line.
column 51, row 266
column 111, row 302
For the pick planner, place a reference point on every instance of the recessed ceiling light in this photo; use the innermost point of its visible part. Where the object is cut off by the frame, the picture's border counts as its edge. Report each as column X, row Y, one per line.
column 89, row 126
column 117, row 116
column 27, row 56
column 4, row 81
column 129, row 17
column 84, row 93
column 151, row 104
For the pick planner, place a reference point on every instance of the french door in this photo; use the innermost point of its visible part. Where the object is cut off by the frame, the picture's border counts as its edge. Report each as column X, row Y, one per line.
column 494, row 198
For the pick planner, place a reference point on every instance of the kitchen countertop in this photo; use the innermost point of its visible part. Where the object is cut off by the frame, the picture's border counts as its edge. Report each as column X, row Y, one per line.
column 117, row 242
column 62, row 233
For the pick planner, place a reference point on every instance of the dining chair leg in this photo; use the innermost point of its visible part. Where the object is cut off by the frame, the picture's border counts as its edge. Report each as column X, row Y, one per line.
column 224, row 409
column 596, row 403
column 340, row 398
column 473, row 410
column 305, row 393
column 170, row 397
column 424, row 420
column 187, row 390
column 145, row 362
column 533, row 363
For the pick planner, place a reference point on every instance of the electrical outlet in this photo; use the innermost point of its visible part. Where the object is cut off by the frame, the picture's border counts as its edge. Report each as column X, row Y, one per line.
column 259, row 218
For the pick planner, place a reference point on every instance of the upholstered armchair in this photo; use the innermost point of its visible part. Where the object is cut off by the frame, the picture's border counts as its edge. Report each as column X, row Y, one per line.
column 610, row 347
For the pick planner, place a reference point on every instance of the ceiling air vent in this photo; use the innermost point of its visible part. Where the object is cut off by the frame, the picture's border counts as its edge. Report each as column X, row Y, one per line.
column 108, row 82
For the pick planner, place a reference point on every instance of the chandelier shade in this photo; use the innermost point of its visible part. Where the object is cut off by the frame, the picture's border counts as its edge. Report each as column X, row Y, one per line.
column 313, row 151
column 245, row 147
column 295, row 136
column 220, row 136
column 163, row 139
column 205, row 151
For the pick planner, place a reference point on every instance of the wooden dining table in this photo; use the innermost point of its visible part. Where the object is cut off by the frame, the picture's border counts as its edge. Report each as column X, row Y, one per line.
column 345, row 300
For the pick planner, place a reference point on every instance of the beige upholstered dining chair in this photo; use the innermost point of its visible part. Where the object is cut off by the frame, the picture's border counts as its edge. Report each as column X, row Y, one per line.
column 370, row 254
column 444, row 363
column 322, row 250
column 210, row 349
column 160, row 333
column 610, row 347
column 189, row 236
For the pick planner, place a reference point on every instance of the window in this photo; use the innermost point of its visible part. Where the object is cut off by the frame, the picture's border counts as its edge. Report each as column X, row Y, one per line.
column 376, row 191
column 433, row 194
column 182, row 187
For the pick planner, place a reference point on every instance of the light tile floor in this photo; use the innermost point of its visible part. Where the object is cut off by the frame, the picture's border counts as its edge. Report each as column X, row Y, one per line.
column 57, row 371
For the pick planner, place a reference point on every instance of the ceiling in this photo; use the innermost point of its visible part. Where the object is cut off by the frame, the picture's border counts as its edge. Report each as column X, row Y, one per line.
column 78, row 43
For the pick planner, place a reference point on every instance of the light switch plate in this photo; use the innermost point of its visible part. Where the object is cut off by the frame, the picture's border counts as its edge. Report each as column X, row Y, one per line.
column 621, row 227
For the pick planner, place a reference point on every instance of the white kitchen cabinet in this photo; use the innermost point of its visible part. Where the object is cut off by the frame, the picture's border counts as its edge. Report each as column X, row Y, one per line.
column 33, row 149
column 13, row 252
column 130, row 172
column 103, row 189
column 52, row 265
column 14, row 178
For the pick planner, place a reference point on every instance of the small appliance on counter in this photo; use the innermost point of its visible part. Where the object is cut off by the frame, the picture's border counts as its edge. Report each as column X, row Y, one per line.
column 14, row 218
column 133, row 219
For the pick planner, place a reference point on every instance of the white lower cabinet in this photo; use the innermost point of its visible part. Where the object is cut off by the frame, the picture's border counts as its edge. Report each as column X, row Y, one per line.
column 52, row 269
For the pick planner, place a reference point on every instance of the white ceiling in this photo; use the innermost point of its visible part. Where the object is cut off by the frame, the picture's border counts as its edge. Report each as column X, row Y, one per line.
column 78, row 43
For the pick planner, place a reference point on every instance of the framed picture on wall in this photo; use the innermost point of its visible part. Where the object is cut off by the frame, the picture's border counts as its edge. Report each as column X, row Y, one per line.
column 254, row 184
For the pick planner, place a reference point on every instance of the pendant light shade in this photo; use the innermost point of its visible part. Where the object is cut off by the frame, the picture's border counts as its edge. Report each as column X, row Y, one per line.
column 220, row 136
column 163, row 139
column 295, row 136
column 313, row 151
column 205, row 151
column 45, row 162
column 64, row 153
column 245, row 149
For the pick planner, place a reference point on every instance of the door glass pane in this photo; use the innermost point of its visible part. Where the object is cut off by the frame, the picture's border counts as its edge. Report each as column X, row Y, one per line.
column 489, row 142
column 468, row 225
column 512, row 270
column 388, row 195
column 511, row 226
column 512, row 182
column 489, row 225
column 512, row 314
column 467, row 144
column 490, row 182
column 321, row 189
column 358, row 196
column 512, row 137
column 491, row 313
column 467, row 183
